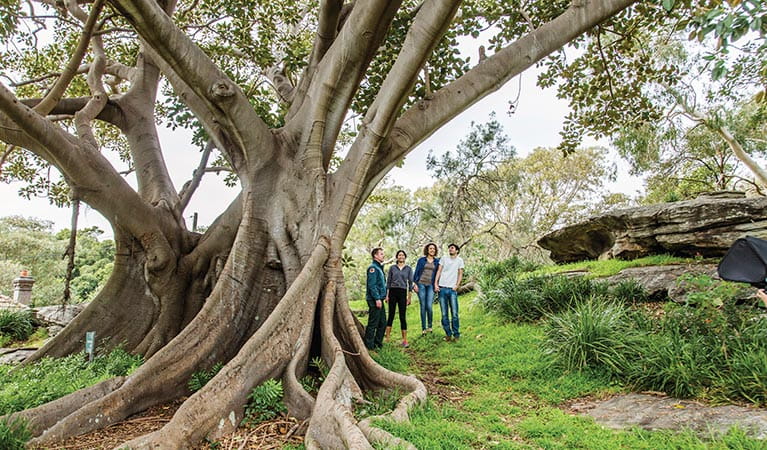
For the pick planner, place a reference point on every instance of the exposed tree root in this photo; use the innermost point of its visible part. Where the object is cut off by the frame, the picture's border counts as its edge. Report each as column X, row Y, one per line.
column 44, row 416
column 163, row 377
column 333, row 424
column 218, row 408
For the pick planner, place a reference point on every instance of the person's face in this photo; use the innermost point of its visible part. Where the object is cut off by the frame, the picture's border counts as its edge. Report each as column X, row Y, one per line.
column 452, row 250
column 432, row 250
column 379, row 256
column 400, row 257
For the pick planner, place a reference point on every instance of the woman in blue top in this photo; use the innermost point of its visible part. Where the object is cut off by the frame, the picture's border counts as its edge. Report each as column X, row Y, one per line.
column 425, row 274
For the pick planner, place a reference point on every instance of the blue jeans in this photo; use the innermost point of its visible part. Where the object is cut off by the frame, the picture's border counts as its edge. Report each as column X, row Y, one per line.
column 426, row 300
column 448, row 302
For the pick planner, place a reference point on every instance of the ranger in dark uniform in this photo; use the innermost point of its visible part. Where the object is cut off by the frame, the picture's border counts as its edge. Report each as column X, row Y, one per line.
column 375, row 295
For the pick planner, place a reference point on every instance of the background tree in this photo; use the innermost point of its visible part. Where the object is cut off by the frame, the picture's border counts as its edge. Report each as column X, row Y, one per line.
column 269, row 86
column 648, row 89
column 30, row 244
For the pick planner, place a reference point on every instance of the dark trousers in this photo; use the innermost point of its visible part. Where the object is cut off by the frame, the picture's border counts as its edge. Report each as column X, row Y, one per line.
column 398, row 298
column 374, row 332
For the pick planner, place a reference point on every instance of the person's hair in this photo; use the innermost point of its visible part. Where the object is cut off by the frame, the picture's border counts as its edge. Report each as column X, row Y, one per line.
column 457, row 248
column 426, row 249
column 400, row 251
column 375, row 250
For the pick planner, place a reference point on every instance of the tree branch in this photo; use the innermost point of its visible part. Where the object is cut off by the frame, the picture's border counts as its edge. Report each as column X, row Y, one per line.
column 723, row 132
column 215, row 92
column 421, row 120
column 338, row 76
column 54, row 95
column 191, row 186
column 327, row 30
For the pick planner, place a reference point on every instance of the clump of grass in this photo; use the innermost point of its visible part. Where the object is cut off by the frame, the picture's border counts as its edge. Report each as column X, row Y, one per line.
column 16, row 325
column 594, row 333
column 529, row 299
column 46, row 380
column 14, row 434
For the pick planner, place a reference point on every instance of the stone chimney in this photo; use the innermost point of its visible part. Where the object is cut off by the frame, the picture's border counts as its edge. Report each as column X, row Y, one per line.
column 22, row 288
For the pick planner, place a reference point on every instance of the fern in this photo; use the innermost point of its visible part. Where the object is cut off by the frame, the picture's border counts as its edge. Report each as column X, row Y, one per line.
column 265, row 402
column 201, row 378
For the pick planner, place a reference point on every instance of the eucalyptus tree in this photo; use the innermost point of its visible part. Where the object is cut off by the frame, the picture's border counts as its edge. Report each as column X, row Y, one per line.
column 650, row 88
column 269, row 85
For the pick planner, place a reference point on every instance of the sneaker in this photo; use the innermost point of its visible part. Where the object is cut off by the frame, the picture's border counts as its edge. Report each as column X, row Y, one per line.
column 447, row 339
column 455, row 338
column 424, row 332
column 428, row 330
column 405, row 344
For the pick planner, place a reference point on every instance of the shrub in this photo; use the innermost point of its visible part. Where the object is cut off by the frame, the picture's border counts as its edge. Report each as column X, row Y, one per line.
column 14, row 434
column 264, row 402
column 17, row 325
column 594, row 333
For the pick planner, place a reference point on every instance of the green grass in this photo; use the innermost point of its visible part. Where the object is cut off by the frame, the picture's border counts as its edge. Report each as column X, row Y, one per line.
column 509, row 393
column 610, row 267
column 26, row 387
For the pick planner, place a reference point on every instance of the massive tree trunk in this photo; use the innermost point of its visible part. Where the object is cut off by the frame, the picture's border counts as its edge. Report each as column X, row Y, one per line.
column 263, row 286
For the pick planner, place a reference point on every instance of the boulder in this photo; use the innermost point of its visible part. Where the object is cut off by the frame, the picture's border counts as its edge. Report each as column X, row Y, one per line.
column 706, row 226
column 661, row 281
column 59, row 315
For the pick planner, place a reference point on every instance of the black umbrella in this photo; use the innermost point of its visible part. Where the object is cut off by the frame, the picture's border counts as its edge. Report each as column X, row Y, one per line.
column 746, row 262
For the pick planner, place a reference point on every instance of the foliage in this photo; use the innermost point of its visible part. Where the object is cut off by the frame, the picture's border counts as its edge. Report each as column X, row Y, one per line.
column 504, row 394
column 595, row 332
column 30, row 244
column 14, row 434
column 29, row 386
column 264, row 402
column 708, row 347
column 531, row 298
column 16, row 325
column 666, row 102
column 201, row 377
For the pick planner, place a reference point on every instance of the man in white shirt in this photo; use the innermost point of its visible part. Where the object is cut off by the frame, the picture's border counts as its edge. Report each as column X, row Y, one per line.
column 448, row 279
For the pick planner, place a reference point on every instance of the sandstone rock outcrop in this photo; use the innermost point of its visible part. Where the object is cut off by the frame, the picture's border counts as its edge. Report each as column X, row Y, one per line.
column 706, row 226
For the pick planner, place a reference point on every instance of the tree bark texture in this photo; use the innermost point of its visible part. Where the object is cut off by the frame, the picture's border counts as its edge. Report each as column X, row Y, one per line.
column 262, row 287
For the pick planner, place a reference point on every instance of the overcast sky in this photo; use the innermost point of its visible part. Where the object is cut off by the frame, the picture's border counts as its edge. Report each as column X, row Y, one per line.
column 536, row 122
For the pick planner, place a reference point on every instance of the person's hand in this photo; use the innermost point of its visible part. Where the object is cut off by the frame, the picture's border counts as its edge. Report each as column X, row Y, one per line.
column 455, row 288
column 762, row 295
column 436, row 288
column 386, row 299
column 415, row 288
column 378, row 304
column 408, row 300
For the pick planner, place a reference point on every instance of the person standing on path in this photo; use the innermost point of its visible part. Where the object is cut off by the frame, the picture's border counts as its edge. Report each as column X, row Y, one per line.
column 375, row 293
column 399, row 285
column 424, row 278
column 449, row 277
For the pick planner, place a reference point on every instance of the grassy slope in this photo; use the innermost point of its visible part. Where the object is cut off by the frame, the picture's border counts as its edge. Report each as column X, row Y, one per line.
column 512, row 395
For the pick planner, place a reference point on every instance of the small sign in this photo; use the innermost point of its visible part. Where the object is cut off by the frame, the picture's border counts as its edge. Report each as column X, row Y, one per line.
column 90, row 339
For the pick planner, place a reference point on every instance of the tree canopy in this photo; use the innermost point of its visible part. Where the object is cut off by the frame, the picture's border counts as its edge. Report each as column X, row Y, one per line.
column 307, row 105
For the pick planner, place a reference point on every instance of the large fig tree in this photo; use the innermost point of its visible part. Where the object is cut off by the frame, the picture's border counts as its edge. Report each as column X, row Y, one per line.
column 269, row 85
